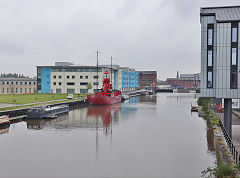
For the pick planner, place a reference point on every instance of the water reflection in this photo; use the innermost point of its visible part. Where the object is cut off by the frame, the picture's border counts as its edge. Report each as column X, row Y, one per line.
column 147, row 136
column 90, row 117
column 4, row 129
column 148, row 99
column 210, row 139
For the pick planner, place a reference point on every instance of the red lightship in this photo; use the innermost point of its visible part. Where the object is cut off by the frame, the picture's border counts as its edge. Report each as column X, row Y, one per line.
column 107, row 94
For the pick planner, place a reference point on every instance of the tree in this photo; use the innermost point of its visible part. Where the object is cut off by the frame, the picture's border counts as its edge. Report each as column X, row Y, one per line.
column 89, row 86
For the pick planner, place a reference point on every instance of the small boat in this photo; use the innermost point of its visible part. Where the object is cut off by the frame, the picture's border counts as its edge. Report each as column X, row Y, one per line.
column 47, row 112
column 107, row 94
column 194, row 107
column 4, row 120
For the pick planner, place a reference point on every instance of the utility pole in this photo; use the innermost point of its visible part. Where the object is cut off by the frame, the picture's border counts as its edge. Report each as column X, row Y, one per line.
column 97, row 69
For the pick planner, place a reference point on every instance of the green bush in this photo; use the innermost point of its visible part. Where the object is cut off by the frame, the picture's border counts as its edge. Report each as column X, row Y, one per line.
column 204, row 102
column 224, row 170
column 213, row 118
column 219, row 171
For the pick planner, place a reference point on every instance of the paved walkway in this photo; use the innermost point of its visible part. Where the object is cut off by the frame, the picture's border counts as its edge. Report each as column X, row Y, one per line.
column 4, row 105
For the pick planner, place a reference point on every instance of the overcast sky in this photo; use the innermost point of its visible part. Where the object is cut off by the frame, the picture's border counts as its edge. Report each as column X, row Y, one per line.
column 161, row 35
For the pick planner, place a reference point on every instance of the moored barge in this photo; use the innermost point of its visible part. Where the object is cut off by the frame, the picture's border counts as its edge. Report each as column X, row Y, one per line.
column 47, row 112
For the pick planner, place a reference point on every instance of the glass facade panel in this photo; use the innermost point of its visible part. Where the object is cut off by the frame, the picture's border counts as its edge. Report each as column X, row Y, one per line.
column 210, row 58
column 234, row 34
column 210, row 82
column 210, row 36
column 234, row 56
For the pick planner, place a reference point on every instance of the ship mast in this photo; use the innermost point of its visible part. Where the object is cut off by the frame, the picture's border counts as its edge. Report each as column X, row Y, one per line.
column 111, row 68
column 97, row 69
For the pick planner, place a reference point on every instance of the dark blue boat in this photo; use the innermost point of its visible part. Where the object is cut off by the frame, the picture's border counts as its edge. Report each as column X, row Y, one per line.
column 47, row 112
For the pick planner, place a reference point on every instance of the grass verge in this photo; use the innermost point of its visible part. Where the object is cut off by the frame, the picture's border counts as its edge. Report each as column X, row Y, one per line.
column 33, row 98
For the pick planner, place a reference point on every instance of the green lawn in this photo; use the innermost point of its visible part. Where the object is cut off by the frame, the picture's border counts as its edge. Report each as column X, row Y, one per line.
column 31, row 105
column 33, row 98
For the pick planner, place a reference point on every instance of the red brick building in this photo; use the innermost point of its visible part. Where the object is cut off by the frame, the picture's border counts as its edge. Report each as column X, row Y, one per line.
column 183, row 83
column 147, row 79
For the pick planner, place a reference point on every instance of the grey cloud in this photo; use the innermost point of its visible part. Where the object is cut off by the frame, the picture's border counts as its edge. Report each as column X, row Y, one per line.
column 162, row 35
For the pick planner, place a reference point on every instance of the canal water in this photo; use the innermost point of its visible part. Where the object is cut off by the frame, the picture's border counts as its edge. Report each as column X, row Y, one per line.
column 149, row 136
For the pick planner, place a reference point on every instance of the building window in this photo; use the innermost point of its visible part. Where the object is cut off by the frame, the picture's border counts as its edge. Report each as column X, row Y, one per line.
column 83, row 91
column 12, row 83
column 59, row 76
column 58, row 91
column 210, row 58
column 30, row 90
column 30, row 83
column 3, row 90
column 25, row 83
column 233, row 79
column 54, row 77
column 60, row 83
column 95, row 83
column 234, row 56
column 25, row 90
column 34, row 83
column 7, row 90
column 86, row 77
column 67, row 77
column 83, row 83
column 3, row 83
column 16, row 90
column 70, row 83
column 95, row 77
column 234, row 34
column 210, row 35
column 210, row 40
column 81, row 77
column 70, row 90
column 20, row 83
column 73, row 77
column 20, row 90
column 16, row 83
column 54, row 83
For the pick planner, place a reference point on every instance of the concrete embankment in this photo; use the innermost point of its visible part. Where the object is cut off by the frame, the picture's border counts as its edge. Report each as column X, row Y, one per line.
column 23, row 111
column 224, row 155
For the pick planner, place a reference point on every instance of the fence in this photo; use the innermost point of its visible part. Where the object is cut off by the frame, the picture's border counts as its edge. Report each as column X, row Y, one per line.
column 230, row 144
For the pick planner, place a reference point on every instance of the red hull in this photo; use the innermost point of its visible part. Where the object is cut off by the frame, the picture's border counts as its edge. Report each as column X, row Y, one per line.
column 103, row 100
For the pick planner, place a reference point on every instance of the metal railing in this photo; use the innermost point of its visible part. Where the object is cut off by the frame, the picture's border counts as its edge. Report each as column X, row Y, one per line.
column 230, row 143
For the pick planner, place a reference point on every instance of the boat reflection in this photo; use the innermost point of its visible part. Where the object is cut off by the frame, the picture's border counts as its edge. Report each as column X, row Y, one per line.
column 88, row 117
column 38, row 124
column 91, row 117
column 106, row 113
column 4, row 129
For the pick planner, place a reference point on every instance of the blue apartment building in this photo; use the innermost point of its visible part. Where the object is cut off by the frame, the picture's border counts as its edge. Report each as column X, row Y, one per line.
column 68, row 78
column 129, row 79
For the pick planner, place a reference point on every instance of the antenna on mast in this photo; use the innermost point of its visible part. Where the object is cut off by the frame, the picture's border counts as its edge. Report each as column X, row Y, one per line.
column 111, row 67
column 97, row 69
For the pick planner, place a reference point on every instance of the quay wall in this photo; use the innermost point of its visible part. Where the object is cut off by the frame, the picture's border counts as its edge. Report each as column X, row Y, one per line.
column 23, row 111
